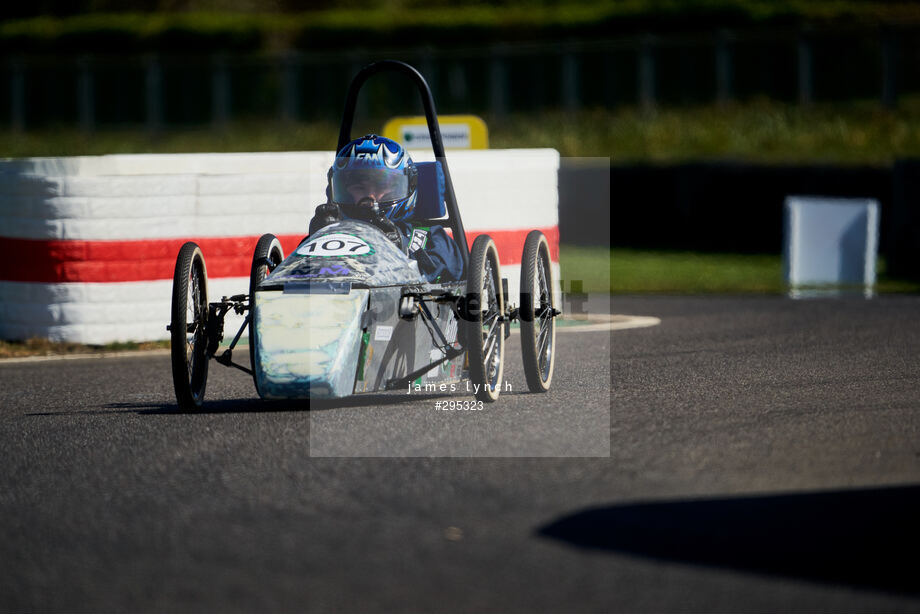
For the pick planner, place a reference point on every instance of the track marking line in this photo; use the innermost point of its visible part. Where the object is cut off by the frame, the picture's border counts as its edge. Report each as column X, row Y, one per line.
column 599, row 322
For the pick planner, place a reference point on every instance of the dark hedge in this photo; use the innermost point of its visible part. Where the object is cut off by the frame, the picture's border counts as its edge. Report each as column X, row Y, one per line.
column 463, row 25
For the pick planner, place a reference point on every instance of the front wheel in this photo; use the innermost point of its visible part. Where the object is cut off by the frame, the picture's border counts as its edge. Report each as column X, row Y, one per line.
column 484, row 320
column 189, row 327
column 267, row 255
column 537, row 315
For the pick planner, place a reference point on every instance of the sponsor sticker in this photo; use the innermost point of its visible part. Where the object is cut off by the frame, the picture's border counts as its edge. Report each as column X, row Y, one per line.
column 451, row 333
column 419, row 238
column 383, row 333
column 434, row 355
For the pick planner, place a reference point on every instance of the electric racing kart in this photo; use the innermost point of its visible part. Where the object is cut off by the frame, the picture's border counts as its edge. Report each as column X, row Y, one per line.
column 349, row 312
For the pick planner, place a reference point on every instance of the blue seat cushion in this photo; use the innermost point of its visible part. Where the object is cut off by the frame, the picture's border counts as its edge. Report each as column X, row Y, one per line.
column 430, row 200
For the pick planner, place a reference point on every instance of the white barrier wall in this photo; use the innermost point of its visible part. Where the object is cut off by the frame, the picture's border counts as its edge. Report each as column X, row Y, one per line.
column 88, row 244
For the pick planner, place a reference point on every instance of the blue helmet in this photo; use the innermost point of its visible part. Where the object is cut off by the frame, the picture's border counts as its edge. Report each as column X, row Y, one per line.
column 373, row 170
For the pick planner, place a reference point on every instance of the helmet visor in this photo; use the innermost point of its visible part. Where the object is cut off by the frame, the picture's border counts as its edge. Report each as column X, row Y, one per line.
column 349, row 186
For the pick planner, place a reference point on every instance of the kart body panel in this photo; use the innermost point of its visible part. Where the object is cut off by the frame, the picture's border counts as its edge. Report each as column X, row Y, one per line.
column 307, row 344
column 349, row 251
column 328, row 324
column 397, row 346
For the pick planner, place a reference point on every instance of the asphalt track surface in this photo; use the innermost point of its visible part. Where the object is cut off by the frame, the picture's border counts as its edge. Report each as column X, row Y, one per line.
column 764, row 456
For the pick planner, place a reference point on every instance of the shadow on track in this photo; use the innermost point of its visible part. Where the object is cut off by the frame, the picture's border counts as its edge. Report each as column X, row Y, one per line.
column 255, row 405
column 863, row 538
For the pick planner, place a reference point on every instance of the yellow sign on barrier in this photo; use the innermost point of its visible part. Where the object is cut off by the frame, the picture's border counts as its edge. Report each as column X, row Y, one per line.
column 457, row 131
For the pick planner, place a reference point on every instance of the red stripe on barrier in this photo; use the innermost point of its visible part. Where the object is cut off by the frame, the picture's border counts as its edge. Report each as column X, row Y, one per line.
column 510, row 243
column 54, row 261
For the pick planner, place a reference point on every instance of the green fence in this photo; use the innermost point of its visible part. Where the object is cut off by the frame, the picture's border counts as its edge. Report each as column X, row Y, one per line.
column 157, row 90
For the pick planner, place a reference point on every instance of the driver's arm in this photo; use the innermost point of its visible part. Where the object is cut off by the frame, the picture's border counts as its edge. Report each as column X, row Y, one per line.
column 440, row 259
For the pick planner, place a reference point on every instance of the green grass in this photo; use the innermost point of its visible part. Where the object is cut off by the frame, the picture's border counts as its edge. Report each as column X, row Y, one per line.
column 44, row 347
column 239, row 136
column 635, row 271
column 759, row 131
column 631, row 271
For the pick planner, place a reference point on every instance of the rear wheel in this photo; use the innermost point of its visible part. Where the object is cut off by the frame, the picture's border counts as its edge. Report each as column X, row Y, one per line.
column 484, row 320
column 537, row 315
column 188, row 327
column 267, row 255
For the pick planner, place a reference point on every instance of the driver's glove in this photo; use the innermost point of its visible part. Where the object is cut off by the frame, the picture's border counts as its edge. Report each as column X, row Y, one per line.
column 390, row 229
column 325, row 214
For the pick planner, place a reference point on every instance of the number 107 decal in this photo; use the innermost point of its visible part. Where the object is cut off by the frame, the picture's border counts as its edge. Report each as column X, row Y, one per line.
column 335, row 244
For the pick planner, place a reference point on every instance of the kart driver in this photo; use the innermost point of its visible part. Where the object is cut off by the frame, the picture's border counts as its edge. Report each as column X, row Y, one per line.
column 373, row 179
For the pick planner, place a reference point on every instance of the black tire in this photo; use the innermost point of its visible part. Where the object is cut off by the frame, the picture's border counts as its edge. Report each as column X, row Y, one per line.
column 267, row 255
column 189, row 327
column 483, row 320
column 538, row 322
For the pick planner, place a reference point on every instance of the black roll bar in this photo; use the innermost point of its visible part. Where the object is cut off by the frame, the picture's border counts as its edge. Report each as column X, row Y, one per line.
column 434, row 133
